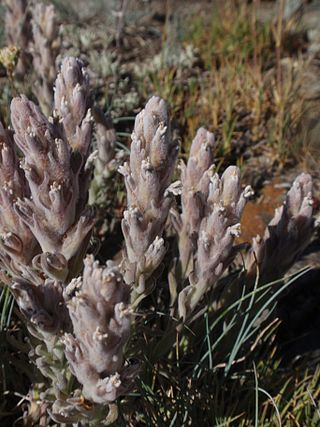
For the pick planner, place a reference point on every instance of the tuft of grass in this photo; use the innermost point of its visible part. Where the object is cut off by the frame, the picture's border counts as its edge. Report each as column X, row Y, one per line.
column 186, row 375
column 6, row 307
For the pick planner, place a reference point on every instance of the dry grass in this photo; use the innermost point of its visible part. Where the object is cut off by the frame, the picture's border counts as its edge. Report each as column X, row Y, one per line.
column 244, row 86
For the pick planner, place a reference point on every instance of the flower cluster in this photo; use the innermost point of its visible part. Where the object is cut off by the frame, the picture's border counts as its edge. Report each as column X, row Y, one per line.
column 148, row 177
column 287, row 234
column 98, row 306
column 209, row 221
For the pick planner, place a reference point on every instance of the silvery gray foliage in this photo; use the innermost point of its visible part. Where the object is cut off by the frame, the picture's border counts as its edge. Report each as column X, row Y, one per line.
column 287, row 234
column 17, row 244
column 18, row 32
column 49, row 358
column 148, row 176
column 52, row 173
column 45, row 49
column 218, row 224
column 100, row 315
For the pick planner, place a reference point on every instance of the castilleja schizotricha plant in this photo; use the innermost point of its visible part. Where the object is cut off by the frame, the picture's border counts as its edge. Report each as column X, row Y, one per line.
column 79, row 311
